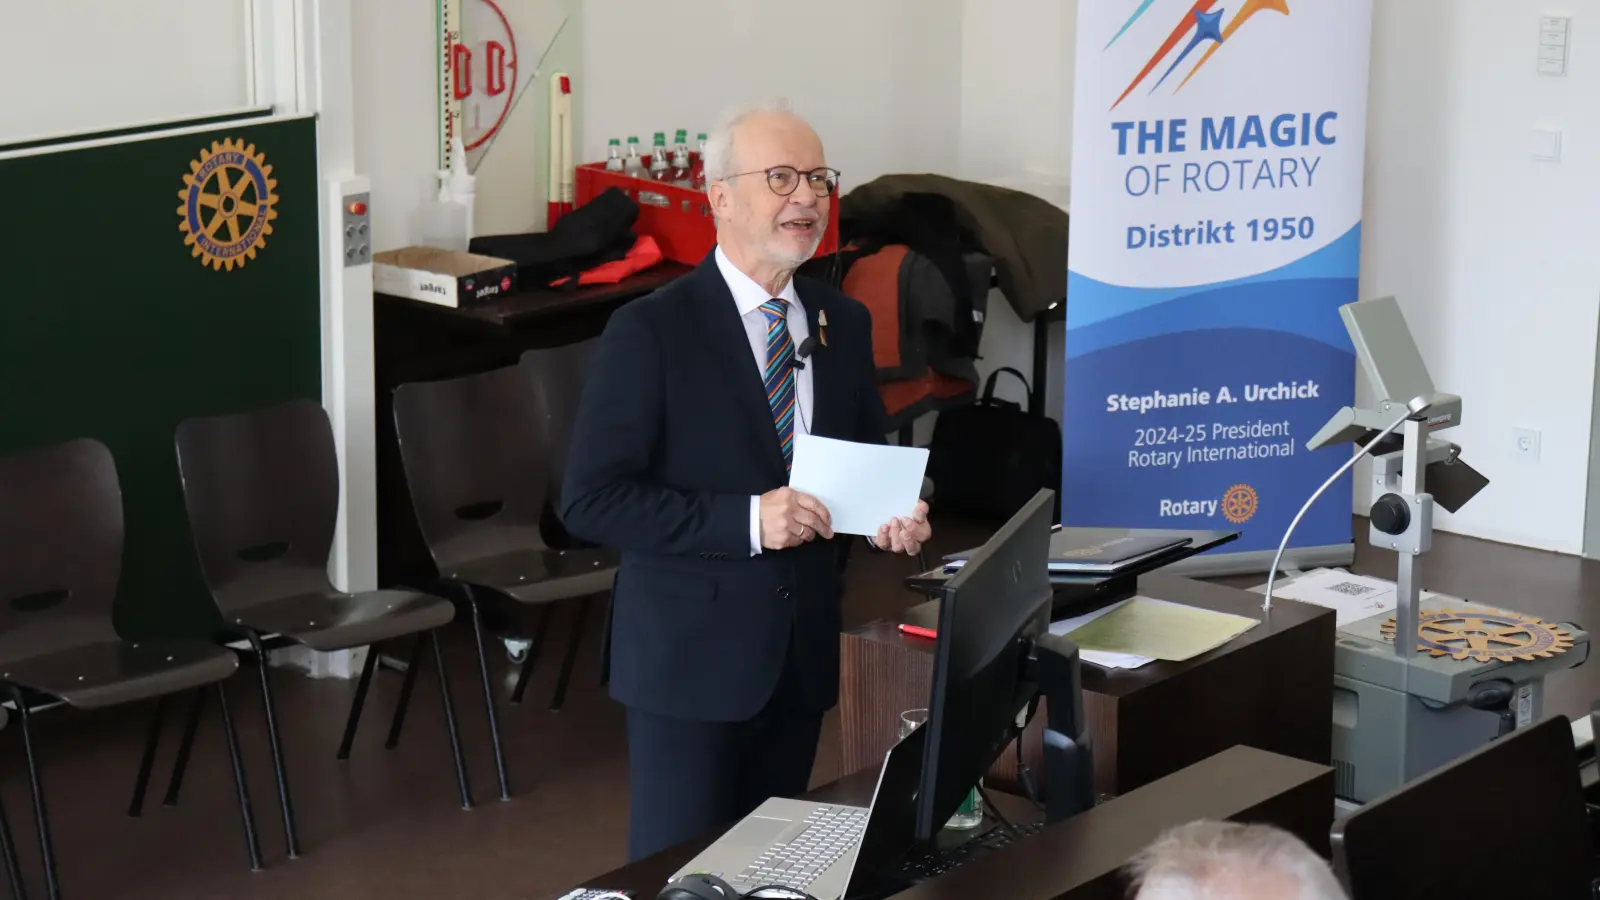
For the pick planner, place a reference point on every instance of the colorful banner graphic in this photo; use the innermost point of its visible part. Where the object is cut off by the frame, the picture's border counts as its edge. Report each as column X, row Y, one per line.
column 1216, row 228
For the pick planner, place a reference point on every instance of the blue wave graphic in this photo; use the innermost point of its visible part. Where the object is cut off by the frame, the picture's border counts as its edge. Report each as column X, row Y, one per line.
column 1090, row 301
column 1307, row 307
column 1102, row 487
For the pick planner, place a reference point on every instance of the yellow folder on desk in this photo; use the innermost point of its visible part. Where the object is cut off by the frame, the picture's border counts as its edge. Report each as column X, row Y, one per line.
column 1144, row 626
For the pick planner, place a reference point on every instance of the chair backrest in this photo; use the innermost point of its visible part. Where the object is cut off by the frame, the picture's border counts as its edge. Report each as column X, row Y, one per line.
column 472, row 448
column 61, row 537
column 557, row 375
column 262, row 492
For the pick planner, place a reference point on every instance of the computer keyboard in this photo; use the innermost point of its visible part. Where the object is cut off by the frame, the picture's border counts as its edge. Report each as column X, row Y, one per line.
column 830, row 831
column 922, row 866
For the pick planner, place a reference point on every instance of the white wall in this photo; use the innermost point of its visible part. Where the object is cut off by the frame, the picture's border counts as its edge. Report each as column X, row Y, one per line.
column 1016, row 130
column 891, row 105
column 70, row 63
column 1492, row 255
column 397, row 120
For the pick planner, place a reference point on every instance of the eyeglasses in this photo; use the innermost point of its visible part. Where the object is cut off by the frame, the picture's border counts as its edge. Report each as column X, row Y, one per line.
column 784, row 179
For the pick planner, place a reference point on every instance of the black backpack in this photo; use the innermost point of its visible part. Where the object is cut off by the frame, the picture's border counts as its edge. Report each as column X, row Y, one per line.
column 988, row 459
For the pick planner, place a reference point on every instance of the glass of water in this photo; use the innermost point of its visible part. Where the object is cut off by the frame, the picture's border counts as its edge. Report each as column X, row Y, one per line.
column 970, row 814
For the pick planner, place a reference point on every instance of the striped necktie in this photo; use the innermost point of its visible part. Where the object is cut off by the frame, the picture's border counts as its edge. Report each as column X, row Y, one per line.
column 779, row 375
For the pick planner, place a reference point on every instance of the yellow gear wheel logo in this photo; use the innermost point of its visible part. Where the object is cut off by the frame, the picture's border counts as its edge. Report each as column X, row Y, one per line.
column 1239, row 503
column 228, row 204
column 1484, row 636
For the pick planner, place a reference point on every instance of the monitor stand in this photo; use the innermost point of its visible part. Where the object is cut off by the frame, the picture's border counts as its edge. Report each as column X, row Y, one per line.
column 1054, row 666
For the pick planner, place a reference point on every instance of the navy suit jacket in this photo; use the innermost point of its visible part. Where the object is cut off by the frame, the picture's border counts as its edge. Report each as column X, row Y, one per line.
column 673, row 437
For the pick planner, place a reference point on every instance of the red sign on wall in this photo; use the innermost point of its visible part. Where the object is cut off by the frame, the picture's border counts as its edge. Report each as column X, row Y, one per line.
column 484, row 72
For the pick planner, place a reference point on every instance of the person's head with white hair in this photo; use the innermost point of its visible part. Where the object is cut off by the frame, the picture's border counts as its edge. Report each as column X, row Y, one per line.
column 769, row 188
column 1208, row 860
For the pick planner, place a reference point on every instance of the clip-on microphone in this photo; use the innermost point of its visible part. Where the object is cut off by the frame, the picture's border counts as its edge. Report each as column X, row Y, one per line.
column 800, row 356
column 807, row 346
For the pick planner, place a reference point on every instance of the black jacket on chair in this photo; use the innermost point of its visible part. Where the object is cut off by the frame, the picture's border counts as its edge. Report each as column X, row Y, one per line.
column 673, row 437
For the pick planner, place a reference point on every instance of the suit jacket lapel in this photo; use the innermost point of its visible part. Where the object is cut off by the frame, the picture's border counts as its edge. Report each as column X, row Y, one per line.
column 829, row 384
column 730, row 345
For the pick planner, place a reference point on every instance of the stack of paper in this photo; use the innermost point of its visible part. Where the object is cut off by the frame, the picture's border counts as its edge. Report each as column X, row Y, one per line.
column 1100, row 658
column 1129, row 634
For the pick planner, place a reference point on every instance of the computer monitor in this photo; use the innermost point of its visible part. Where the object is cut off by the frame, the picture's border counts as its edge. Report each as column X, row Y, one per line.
column 1506, row 820
column 991, row 613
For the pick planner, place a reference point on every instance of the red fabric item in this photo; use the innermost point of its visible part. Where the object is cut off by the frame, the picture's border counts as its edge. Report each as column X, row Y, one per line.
column 644, row 253
column 874, row 281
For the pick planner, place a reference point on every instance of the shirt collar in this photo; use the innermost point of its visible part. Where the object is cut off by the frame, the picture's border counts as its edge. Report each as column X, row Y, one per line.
column 747, row 294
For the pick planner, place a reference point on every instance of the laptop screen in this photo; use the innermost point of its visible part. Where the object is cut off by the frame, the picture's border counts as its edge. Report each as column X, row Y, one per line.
column 892, row 821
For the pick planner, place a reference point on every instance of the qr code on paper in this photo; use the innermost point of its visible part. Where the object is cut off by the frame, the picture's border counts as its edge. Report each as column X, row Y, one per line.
column 1351, row 589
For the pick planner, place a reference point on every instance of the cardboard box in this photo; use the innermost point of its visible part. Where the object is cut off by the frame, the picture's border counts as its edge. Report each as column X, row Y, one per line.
column 446, row 277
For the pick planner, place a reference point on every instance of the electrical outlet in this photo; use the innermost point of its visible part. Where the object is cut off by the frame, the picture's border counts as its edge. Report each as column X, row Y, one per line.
column 1527, row 443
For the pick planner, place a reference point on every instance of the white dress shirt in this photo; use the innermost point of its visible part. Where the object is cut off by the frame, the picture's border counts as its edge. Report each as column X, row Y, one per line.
column 748, row 297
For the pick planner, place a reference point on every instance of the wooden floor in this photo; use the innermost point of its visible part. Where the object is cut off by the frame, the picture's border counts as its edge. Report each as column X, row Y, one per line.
column 387, row 824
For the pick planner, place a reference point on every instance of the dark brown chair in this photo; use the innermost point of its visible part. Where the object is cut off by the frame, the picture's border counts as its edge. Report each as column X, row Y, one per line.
column 262, row 492
column 556, row 375
column 475, row 455
column 61, row 538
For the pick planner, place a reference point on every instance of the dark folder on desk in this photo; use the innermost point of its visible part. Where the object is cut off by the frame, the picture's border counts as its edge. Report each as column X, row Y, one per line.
column 1098, row 551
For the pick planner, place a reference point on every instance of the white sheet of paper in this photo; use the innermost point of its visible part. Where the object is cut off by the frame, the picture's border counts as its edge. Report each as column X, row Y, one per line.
column 862, row 485
column 1351, row 597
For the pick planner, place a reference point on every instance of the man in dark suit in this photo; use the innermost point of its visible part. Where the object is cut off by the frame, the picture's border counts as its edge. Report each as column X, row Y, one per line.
column 724, row 634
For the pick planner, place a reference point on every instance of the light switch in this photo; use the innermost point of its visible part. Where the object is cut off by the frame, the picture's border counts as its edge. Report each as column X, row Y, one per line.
column 1555, row 37
column 1547, row 145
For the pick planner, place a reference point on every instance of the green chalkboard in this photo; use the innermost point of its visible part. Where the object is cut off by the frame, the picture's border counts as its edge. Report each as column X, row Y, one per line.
column 111, row 327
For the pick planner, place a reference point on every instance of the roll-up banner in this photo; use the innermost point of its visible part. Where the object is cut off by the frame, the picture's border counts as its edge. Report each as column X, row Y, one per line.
column 1216, row 229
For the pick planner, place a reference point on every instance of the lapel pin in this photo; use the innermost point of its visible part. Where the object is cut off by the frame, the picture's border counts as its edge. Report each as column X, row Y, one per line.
column 822, row 326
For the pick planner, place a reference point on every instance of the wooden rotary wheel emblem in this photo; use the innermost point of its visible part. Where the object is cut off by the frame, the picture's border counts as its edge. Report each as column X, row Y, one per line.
column 1486, row 637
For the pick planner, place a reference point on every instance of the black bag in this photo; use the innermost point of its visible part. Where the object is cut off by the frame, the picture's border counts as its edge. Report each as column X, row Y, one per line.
column 597, row 232
column 990, row 458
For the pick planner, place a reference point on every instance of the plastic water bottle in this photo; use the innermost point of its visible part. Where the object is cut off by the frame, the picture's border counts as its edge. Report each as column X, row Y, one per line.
column 463, row 185
column 614, row 156
column 681, row 175
column 660, row 169
column 697, row 174
column 633, row 164
column 444, row 222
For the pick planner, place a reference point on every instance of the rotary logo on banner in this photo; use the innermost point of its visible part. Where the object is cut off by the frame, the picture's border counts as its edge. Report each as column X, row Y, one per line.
column 1216, row 203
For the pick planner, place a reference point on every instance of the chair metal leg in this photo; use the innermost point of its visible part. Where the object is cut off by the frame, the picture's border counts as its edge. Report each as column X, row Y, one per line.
column 404, row 702
column 488, row 695
column 8, row 849
column 252, row 844
column 142, row 782
column 358, row 703
column 180, row 765
column 290, row 840
column 534, row 646
column 450, row 720
column 580, row 618
column 47, row 854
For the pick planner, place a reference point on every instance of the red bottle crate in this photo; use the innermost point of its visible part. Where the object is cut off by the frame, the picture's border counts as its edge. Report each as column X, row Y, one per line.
column 679, row 218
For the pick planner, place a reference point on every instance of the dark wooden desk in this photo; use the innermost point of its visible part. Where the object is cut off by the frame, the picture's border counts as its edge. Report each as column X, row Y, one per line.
column 1271, row 688
column 1080, row 858
column 415, row 341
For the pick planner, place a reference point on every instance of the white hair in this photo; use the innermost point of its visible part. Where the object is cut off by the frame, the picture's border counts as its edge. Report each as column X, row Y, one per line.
column 1209, row 860
column 719, row 142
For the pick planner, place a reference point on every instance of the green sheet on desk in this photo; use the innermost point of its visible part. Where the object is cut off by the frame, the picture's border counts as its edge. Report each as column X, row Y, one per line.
column 1160, row 630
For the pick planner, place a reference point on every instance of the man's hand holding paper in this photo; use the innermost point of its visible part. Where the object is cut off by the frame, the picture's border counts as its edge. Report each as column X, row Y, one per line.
column 867, row 489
